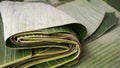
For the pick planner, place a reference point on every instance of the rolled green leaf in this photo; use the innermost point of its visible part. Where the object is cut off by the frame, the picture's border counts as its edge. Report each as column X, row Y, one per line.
column 47, row 46
column 34, row 42
column 28, row 44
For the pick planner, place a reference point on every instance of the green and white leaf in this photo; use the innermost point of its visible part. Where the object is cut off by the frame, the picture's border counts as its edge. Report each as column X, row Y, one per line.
column 102, row 5
column 21, row 20
column 85, row 13
column 102, row 52
column 99, row 51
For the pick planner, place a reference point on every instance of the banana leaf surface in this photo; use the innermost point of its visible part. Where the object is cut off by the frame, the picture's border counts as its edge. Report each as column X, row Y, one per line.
column 77, row 34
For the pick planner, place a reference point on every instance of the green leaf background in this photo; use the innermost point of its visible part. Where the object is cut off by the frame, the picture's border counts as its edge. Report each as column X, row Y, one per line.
column 100, row 50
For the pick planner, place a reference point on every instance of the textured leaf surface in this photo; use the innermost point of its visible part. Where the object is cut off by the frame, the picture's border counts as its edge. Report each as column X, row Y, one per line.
column 99, row 53
column 102, row 52
column 103, row 27
column 114, row 3
column 59, row 39
column 102, row 5
column 47, row 55
column 85, row 13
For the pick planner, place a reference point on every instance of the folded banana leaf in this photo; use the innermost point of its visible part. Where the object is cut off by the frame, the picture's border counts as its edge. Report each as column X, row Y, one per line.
column 38, row 38
column 60, row 46
column 104, row 51
column 85, row 13
column 36, row 43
